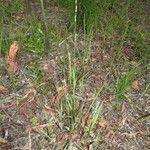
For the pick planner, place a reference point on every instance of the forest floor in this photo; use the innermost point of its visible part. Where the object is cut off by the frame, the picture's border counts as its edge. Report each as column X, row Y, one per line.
column 88, row 100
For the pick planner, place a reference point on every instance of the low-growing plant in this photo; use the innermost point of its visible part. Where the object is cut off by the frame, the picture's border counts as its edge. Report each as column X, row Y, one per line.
column 34, row 40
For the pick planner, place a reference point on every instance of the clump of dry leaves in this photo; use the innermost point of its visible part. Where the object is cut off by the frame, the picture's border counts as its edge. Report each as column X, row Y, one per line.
column 11, row 58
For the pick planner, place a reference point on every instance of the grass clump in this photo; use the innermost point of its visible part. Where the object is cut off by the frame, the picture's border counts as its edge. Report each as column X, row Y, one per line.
column 122, row 83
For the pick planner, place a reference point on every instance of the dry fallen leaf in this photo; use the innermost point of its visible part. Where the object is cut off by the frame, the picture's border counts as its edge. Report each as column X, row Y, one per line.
column 2, row 89
column 102, row 123
column 135, row 85
column 11, row 58
column 124, row 120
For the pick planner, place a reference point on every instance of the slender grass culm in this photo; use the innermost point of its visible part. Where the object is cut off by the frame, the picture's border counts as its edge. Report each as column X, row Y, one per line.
column 86, row 13
column 75, row 22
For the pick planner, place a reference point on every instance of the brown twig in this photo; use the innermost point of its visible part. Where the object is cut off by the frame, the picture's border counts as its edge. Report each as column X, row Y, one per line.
column 30, row 128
